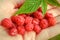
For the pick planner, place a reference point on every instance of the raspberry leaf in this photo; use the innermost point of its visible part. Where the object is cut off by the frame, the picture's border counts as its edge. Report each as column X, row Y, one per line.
column 29, row 6
column 53, row 2
column 44, row 6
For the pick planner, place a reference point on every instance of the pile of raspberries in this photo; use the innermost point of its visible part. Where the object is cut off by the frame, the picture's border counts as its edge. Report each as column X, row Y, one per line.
column 21, row 23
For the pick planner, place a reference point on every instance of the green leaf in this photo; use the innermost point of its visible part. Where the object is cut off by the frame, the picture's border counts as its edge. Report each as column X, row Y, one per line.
column 53, row 2
column 44, row 6
column 29, row 6
column 57, row 37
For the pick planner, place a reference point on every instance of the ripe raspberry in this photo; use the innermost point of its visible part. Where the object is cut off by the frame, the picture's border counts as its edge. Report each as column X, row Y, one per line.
column 48, row 15
column 12, row 32
column 22, row 15
column 38, row 15
column 30, row 14
column 0, row 23
column 19, row 4
column 21, row 30
column 39, row 9
column 19, row 20
column 29, row 27
column 37, row 28
column 35, row 21
column 51, row 21
column 43, row 23
column 28, row 19
column 7, row 23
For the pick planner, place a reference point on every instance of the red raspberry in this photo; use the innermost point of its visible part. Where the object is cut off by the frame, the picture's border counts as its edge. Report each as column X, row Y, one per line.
column 38, row 15
column 37, row 28
column 29, row 27
column 7, row 23
column 19, row 20
column 48, row 15
column 51, row 21
column 12, row 32
column 43, row 23
column 21, row 30
column 28, row 19
column 0, row 23
column 30, row 14
column 35, row 21
column 19, row 4
column 39, row 9
column 22, row 15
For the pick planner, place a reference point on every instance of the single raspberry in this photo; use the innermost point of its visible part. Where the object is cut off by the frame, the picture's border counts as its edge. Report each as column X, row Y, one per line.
column 19, row 20
column 38, row 15
column 51, row 21
column 0, row 23
column 7, row 23
column 39, row 9
column 35, row 21
column 37, row 28
column 48, row 15
column 43, row 23
column 21, row 30
column 19, row 4
column 28, row 19
column 12, row 32
column 29, row 14
column 29, row 27
column 22, row 15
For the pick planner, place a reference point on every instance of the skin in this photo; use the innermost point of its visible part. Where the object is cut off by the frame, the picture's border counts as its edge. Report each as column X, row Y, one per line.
column 5, row 36
column 7, row 10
